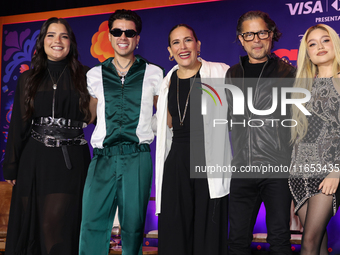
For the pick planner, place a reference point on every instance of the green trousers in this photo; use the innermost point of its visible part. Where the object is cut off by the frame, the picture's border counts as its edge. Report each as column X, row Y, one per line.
column 118, row 176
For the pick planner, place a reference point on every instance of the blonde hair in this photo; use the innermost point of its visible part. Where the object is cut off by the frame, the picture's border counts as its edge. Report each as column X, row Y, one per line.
column 306, row 71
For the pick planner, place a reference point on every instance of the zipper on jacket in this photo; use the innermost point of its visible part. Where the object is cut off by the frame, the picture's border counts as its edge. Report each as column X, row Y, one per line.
column 248, row 115
column 277, row 133
column 122, row 97
column 249, row 148
column 243, row 85
column 251, row 114
column 257, row 84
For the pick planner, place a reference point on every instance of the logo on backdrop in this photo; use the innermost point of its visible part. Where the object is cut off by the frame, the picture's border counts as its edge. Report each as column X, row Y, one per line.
column 336, row 5
column 315, row 7
column 305, row 7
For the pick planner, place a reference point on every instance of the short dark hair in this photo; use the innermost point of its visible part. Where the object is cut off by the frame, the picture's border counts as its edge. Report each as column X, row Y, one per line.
column 182, row 25
column 127, row 15
column 259, row 14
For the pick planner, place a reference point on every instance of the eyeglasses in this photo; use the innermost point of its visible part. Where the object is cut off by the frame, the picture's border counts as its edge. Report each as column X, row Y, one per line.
column 116, row 32
column 262, row 34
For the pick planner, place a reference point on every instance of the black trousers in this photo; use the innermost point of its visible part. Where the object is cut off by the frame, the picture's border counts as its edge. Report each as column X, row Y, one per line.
column 245, row 199
column 190, row 223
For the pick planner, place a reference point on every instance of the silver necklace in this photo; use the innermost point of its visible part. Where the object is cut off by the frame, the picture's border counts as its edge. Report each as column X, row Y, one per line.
column 55, row 83
column 121, row 74
column 54, row 88
column 125, row 66
column 181, row 120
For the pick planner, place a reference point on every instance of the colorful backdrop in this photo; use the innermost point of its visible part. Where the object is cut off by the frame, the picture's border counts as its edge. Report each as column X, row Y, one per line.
column 215, row 25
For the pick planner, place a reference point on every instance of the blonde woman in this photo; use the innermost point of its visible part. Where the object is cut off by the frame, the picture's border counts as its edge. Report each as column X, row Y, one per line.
column 314, row 173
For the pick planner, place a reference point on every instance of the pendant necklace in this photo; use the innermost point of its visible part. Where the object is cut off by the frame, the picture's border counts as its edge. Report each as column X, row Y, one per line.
column 181, row 120
column 54, row 88
column 121, row 74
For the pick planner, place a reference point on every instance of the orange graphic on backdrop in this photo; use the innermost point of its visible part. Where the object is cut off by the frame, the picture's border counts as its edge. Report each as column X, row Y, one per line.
column 101, row 46
column 24, row 68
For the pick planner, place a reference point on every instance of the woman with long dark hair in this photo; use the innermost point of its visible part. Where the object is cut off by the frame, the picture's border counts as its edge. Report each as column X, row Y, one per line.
column 192, row 208
column 47, row 156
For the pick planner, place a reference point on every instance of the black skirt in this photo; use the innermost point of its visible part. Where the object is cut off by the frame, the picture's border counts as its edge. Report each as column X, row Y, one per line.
column 45, row 212
column 190, row 222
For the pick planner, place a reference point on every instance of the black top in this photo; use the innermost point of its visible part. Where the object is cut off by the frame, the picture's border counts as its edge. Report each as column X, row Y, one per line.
column 252, row 71
column 182, row 133
column 66, row 106
column 192, row 131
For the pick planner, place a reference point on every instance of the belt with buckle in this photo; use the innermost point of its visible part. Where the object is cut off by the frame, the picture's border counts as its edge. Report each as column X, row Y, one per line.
column 58, row 137
column 52, row 141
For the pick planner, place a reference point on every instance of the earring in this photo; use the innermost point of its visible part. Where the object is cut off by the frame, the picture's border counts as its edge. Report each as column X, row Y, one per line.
column 171, row 58
column 137, row 46
column 198, row 53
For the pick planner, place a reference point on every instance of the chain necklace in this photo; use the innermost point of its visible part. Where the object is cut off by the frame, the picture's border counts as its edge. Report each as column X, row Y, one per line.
column 181, row 120
column 121, row 74
column 54, row 88
column 125, row 66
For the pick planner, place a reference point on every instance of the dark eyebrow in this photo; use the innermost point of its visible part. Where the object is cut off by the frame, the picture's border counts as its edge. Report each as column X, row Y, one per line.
column 187, row 37
column 256, row 31
column 51, row 32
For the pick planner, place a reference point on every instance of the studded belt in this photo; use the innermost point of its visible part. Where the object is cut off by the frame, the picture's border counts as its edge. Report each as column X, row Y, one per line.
column 52, row 141
column 58, row 134
column 61, row 122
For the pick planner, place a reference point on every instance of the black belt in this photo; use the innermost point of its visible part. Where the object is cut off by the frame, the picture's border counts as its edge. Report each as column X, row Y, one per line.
column 52, row 141
column 57, row 136
column 61, row 122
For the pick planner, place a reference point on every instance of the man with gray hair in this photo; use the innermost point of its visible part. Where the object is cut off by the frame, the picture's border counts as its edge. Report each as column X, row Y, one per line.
column 262, row 146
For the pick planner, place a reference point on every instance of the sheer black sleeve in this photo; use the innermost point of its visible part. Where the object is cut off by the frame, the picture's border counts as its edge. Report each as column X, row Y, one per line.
column 19, row 131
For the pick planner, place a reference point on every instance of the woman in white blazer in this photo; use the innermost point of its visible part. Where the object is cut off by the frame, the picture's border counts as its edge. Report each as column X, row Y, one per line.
column 192, row 212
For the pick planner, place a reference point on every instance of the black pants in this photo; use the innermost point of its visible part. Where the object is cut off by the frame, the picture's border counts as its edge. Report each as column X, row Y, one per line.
column 190, row 223
column 245, row 199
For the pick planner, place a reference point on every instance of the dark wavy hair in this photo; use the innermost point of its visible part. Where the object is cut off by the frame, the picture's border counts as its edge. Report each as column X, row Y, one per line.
column 127, row 15
column 182, row 25
column 39, row 67
column 259, row 14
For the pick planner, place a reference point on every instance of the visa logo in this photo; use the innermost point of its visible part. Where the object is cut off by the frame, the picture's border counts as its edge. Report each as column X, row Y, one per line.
column 305, row 7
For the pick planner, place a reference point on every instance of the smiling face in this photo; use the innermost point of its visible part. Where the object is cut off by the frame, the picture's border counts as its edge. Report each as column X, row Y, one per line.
column 57, row 42
column 320, row 48
column 184, row 47
column 256, row 49
column 123, row 46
